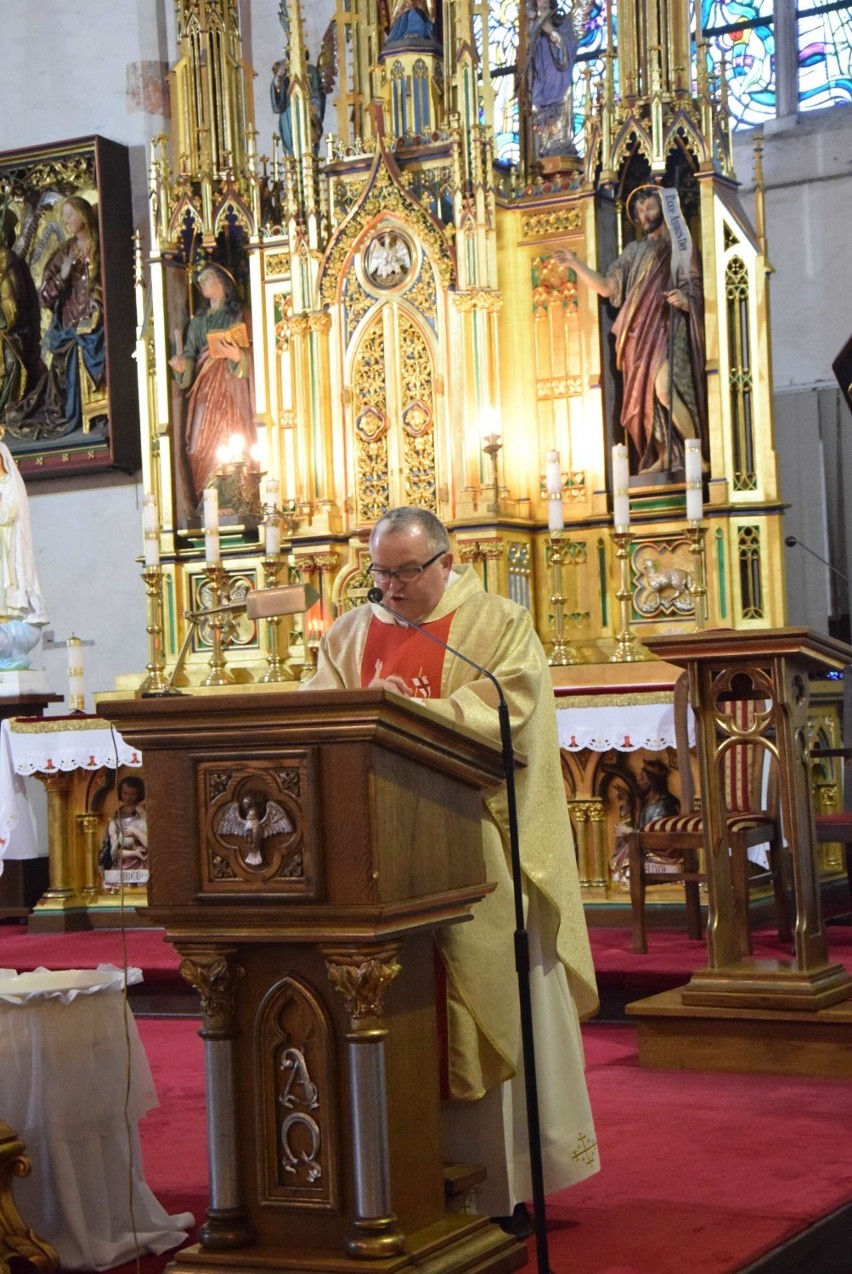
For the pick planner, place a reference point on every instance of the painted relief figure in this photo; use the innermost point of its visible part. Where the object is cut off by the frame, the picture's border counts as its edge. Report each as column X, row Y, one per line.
column 18, row 319
column 659, row 330
column 253, row 818
column 71, row 289
column 125, row 846
column 214, row 366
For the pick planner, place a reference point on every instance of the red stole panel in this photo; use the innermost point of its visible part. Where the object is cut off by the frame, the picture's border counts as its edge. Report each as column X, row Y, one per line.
column 393, row 648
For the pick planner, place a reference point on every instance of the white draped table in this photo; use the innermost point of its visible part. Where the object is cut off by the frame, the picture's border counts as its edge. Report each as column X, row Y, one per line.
column 626, row 722
column 76, row 1081
column 45, row 746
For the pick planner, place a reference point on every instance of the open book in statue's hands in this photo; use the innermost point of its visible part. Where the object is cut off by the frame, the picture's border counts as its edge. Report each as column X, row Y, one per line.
column 236, row 335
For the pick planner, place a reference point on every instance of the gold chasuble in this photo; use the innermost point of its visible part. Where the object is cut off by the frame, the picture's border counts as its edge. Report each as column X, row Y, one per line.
column 483, row 1014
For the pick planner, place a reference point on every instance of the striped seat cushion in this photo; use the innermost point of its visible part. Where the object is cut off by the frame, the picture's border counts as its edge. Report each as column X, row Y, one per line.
column 681, row 823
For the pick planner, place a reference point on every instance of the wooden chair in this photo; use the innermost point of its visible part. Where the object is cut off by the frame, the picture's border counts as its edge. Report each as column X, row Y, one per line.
column 669, row 850
column 837, row 827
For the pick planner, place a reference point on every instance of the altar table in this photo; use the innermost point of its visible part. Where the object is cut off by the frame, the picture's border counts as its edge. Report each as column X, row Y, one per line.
column 76, row 1081
column 58, row 751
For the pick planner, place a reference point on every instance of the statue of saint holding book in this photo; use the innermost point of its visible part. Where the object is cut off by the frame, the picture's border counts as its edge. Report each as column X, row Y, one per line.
column 214, row 365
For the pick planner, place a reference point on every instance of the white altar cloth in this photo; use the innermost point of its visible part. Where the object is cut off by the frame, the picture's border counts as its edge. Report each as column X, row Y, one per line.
column 643, row 721
column 75, row 1083
column 33, row 745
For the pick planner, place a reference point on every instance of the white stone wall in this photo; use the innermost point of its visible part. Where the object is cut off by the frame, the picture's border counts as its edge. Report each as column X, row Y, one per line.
column 808, row 179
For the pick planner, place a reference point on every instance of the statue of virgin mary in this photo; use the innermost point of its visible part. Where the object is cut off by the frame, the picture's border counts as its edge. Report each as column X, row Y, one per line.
column 22, row 611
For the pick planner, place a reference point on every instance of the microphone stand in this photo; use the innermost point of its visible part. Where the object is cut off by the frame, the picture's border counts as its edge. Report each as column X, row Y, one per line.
column 522, row 949
column 791, row 541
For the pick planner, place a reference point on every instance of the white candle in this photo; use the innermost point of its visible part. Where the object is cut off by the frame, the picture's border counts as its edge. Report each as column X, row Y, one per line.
column 553, row 480
column 620, row 487
column 76, row 680
column 692, row 473
column 211, row 526
column 553, row 474
column 272, row 540
column 150, row 532
column 272, row 524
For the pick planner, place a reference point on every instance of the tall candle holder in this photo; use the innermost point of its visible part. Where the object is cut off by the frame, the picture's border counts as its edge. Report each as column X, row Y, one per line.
column 276, row 669
column 562, row 653
column 492, row 447
column 156, row 679
column 697, row 533
column 215, row 578
column 309, row 667
column 76, row 681
column 628, row 649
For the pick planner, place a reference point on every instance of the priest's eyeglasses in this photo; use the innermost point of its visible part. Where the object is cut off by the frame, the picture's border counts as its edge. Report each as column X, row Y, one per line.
column 405, row 574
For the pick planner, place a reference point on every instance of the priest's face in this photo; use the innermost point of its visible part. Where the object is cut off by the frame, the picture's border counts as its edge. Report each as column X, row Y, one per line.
column 404, row 550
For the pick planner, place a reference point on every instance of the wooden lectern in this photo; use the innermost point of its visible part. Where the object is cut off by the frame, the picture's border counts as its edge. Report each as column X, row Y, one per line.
column 784, row 1016
column 303, row 847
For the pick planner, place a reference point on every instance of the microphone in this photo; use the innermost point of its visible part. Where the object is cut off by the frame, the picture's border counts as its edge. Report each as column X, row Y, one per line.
column 522, row 951
column 791, row 542
column 260, row 603
column 264, row 603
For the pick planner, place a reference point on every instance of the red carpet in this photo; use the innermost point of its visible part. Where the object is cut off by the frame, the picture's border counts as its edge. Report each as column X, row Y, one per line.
column 671, row 956
column 146, row 949
column 699, row 1171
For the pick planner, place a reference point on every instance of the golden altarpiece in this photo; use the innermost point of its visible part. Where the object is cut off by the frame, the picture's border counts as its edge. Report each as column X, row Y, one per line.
column 417, row 336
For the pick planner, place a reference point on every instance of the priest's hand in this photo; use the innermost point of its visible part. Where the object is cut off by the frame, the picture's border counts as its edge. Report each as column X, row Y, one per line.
column 392, row 682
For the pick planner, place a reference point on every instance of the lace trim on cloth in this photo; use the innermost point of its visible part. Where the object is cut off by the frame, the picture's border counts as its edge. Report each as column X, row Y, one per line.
column 624, row 726
column 85, row 745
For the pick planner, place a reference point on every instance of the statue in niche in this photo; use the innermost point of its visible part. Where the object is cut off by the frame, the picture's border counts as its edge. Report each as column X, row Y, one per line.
column 214, row 365
column 71, row 289
column 656, row 286
column 656, row 801
column 125, row 844
column 320, row 76
column 22, row 611
column 552, row 40
column 413, row 21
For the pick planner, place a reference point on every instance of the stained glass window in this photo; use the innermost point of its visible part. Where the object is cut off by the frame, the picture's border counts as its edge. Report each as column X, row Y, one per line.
column 741, row 33
column 824, row 41
column 503, row 58
column 740, row 38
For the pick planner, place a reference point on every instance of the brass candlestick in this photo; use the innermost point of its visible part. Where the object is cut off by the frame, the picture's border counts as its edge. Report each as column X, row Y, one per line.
column 309, row 667
column 155, row 668
column 276, row 669
column 697, row 533
column 628, row 649
column 218, row 674
column 493, row 444
column 562, row 654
